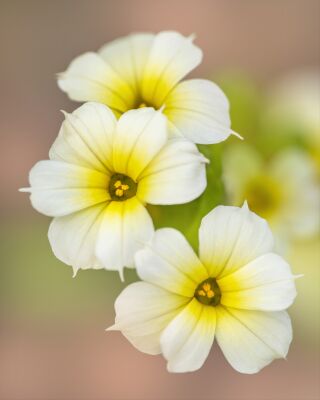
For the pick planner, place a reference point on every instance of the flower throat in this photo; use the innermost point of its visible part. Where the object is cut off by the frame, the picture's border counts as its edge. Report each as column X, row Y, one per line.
column 208, row 292
column 122, row 187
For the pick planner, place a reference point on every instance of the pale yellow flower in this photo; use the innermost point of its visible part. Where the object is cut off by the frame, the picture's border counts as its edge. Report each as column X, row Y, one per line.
column 100, row 176
column 235, row 291
column 283, row 189
column 145, row 70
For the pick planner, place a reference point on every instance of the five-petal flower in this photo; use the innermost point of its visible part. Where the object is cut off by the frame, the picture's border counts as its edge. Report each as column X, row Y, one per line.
column 101, row 174
column 235, row 291
column 283, row 189
column 144, row 70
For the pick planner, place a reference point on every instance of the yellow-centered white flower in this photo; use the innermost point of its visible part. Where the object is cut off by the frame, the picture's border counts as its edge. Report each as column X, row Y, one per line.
column 294, row 104
column 235, row 291
column 283, row 190
column 144, row 69
column 100, row 176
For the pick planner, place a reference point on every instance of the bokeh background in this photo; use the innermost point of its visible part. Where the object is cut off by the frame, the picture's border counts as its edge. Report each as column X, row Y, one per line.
column 52, row 339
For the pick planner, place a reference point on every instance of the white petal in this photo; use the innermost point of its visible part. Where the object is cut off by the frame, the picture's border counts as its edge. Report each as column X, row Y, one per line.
column 172, row 56
column 140, row 136
column 266, row 283
column 250, row 340
column 73, row 237
column 51, row 174
column 231, row 237
column 86, row 137
column 169, row 261
column 187, row 340
column 200, row 110
column 128, row 56
column 143, row 311
column 299, row 213
column 176, row 175
column 59, row 188
column 90, row 78
column 126, row 226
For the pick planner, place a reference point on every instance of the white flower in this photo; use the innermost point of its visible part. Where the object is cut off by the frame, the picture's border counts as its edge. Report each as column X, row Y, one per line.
column 101, row 174
column 235, row 291
column 283, row 190
column 144, row 70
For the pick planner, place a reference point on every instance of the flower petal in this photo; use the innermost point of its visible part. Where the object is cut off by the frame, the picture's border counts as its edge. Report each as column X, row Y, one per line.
column 86, row 137
column 187, row 340
column 125, row 227
column 299, row 212
column 231, row 237
column 200, row 111
column 143, row 311
column 266, row 283
column 90, row 78
column 74, row 236
column 176, row 175
column 140, row 136
column 59, row 188
column 172, row 56
column 128, row 56
column 168, row 261
column 250, row 340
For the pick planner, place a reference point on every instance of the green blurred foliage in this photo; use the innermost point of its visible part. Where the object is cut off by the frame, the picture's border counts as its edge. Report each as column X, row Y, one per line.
column 37, row 284
column 252, row 119
column 245, row 100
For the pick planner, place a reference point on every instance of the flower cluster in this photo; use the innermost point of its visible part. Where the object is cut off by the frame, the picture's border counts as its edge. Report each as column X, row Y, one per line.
column 133, row 143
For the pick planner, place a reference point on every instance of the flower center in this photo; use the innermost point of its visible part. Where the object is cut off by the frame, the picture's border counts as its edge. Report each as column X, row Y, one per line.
column 141, row 103
column 263, row 195
column 122, row 187
column 208, row 292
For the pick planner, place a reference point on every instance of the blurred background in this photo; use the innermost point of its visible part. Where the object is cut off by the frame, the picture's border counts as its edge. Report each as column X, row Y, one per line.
column 266, row 56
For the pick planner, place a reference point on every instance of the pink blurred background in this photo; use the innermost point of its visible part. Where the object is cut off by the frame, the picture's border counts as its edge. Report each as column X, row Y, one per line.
column 52, row 339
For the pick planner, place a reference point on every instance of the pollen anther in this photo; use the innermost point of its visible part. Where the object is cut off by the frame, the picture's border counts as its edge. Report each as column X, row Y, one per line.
column 208, row 292
column 119, row 192
column 206, row 287
column 120, row 188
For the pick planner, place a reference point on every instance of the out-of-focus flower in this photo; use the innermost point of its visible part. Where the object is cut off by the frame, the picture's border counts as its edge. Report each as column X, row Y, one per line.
column 236, row 292
column 144, row 70
column 294, row 106
column 101, row 174
column 283, row 190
